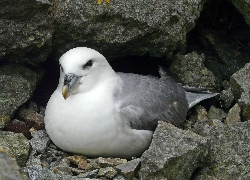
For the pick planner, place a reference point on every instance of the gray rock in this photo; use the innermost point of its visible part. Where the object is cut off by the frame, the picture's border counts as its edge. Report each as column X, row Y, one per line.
column 227, row 97
column 130, row 168
column 16, row 145
column 183, row 67
column 241, row 88
column 39, row 141
column 216, row 113
column 229, row 151
column 173, row 154
column 243, row 6
column 108, row 172
column 233, row 115
column 26, row 31
column 9, row 170
column 17, row 84
column 125, row 27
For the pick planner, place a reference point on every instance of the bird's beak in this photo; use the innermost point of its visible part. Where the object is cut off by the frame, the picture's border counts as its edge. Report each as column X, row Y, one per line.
column 70, row 83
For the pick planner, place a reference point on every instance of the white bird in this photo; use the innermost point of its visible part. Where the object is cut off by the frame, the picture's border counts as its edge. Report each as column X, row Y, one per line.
column 97, row 112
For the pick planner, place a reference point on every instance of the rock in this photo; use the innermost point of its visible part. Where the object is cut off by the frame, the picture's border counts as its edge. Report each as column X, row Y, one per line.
column 17, row 84
column 39, row 141
column 229, row 151
column 31, row 116
column 227, row 97
column 106, row 162
column 130, row 168
column 233, row 115
column 80, row 161
column 183, row 67
column 216, row 113
column 243, row 6
column 241, row 88
column 9, row 168
column 91, row 174
column 173, row 154
column 26, row 31
column 16, row 145
column 125, row 27
column 108, row 172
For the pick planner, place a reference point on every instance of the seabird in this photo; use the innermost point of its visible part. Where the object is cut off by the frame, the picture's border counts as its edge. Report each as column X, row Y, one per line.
column 97, row 112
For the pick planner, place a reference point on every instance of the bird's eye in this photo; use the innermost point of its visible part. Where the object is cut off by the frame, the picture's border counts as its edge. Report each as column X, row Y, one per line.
column 88, row 64
column 61, row 67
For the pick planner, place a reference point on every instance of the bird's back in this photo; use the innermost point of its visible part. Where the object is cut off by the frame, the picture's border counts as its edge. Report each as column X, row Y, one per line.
column 144, row 100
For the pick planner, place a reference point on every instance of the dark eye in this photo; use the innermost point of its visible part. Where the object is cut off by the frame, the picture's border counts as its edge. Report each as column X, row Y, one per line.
column 61, row 67
column 88, row 64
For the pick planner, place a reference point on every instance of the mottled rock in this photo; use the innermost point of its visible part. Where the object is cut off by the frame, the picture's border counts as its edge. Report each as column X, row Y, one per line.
column 80, row 161
column 39, row 141
column 32, row 116
column 16, row 145
column 17, row 84
column 241, row 88
column 9, row 170
column 216, row 113
column 227, row 97
column 229, row 151
column 26, row 31
column 106, row 162
column 108, row 172
column 130, row 168
column 91, row 174
column 183, row 67
column 173, row 154
column 125, row 27
column 243, row 6
column 233, row 115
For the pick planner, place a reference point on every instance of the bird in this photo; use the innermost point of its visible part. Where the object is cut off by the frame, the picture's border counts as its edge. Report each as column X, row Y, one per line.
column 98, row 112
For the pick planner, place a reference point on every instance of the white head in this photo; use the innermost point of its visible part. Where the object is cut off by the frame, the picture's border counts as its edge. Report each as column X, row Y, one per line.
column 81, row 70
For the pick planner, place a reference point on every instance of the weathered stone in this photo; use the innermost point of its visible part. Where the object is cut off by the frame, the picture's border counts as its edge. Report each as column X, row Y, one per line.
column 91, row 174
column 229, row 151
column 16, row 145
column 26, row 31
column 39, row 141
column 106, row 162
column 233, row 115
column 216, row 113
column 108, row 172
column 173, row 154
column 80, row 161
column 32, row 116
column 243, row 6
column 183, row 67
column 241, row 88
column 125, row 27
column 17, row 84
column 227, row 97
column 130, row 168
column 9, row 168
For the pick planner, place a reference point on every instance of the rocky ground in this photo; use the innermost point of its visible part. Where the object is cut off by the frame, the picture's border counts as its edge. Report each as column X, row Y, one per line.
column 203, row 44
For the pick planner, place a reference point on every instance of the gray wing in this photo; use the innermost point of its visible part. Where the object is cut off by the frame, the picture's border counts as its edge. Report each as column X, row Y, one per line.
column 144, row 100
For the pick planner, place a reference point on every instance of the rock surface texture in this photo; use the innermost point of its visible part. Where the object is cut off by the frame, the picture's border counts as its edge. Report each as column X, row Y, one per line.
column 26, row 31
column 173, row 154
column 157, row 27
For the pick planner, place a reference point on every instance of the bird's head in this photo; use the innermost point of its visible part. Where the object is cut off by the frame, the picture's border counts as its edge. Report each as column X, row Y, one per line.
column 81, row 69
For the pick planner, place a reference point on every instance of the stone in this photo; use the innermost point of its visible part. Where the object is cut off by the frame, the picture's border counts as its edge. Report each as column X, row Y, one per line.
column 229, row 156
column 183, row 67
column 243, row 6
column 26, row 31
column 39, row 141
column 17, row 84
column 80, row 161
column 216, row 113
column 125, row 27
column 16, row 145
column 130, row 168
column 9, row 168
column 233, row 115
column 106, row 162
column 108, row 172
column 241, row 88
column 173, row 154
column 227, row 97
